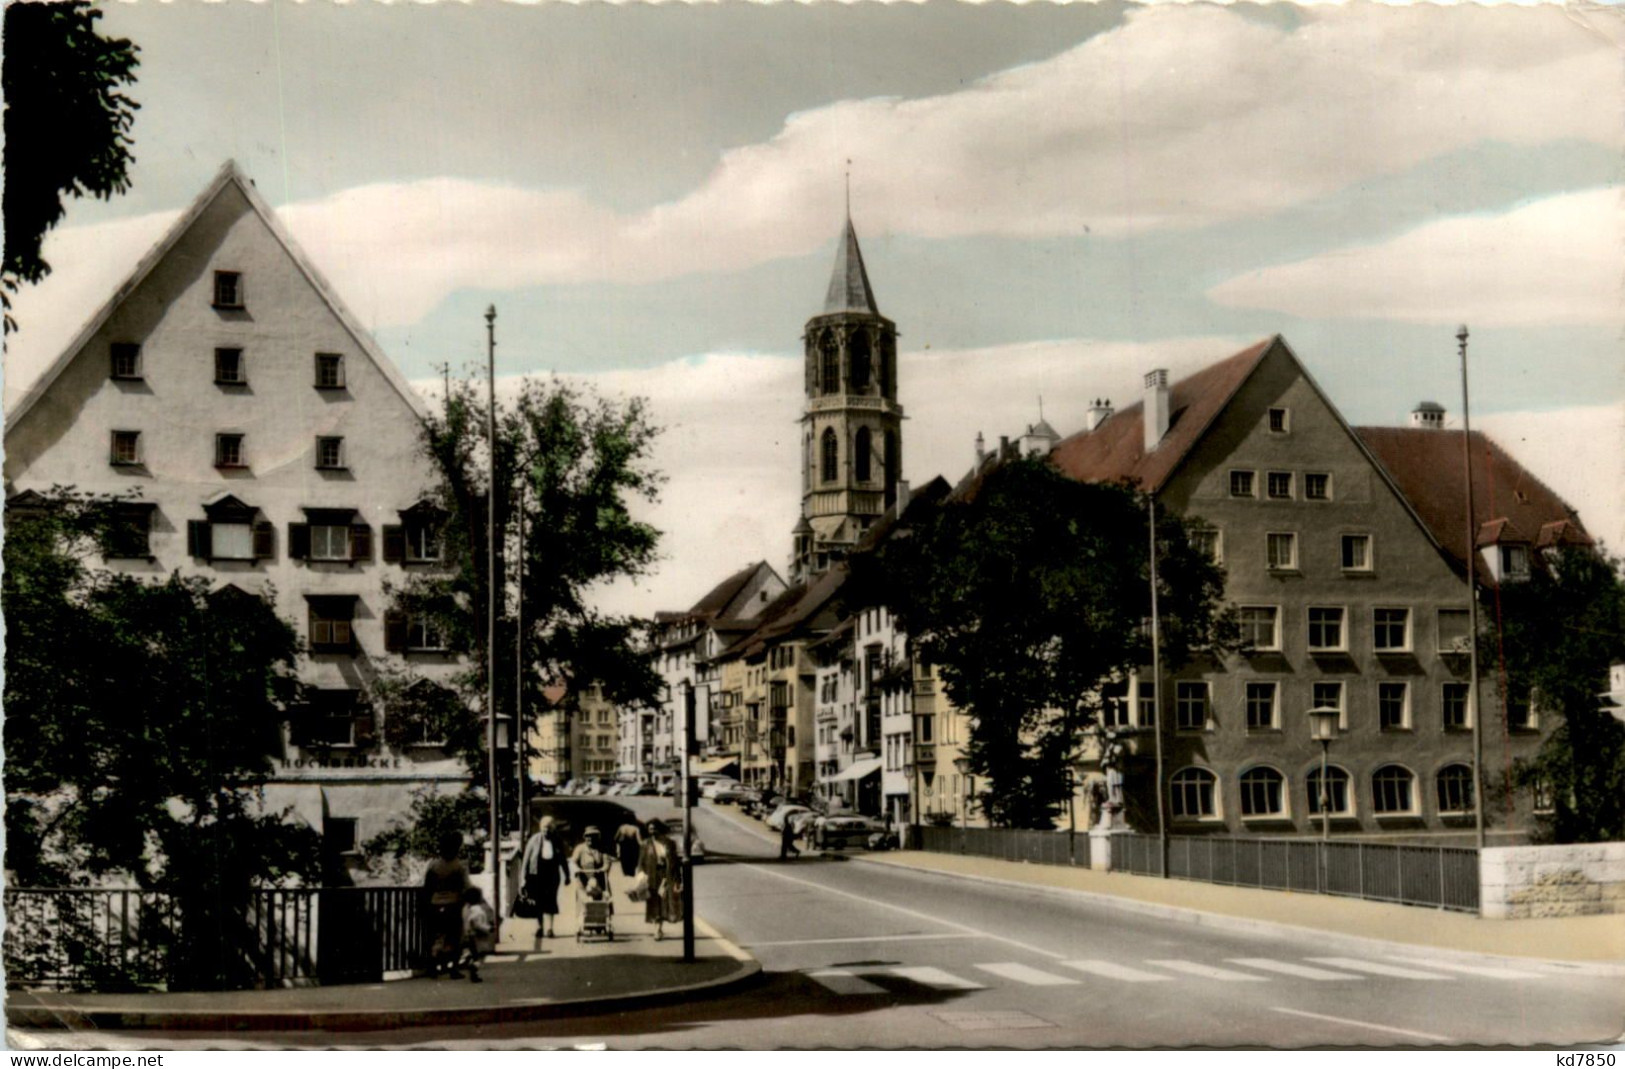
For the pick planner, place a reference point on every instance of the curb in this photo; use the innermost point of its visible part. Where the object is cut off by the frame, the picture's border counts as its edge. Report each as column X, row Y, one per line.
column 1254, row 926
column 41, row 1018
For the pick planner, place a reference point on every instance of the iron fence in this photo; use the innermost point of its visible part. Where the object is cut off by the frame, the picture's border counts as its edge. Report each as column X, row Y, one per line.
column 109, row 939
column 1414, row 875
column 1008, row 844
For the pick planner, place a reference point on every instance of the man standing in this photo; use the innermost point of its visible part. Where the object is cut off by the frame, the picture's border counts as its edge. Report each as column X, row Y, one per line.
column 787, row 840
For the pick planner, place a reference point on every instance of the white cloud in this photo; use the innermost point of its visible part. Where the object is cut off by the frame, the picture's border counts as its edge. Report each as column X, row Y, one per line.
column 1555, row 261
column 1181, row 117
column 1578, row 452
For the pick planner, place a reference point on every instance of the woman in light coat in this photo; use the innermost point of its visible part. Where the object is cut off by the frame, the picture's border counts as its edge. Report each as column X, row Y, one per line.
column 545, row 867
column 663, row 868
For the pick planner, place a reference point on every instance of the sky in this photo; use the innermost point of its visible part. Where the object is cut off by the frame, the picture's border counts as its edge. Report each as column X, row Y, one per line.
column 1051, row 200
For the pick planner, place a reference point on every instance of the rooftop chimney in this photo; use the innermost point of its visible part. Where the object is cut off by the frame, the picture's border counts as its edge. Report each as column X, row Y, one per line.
column 981, row 449
column 1156, row 407
column 1099, row 413
column 1429, row 415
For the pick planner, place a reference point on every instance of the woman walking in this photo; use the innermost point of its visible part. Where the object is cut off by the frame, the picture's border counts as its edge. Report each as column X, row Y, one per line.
column 545, row 867
column 445, row 881
column 626, row 848
column 662, row 867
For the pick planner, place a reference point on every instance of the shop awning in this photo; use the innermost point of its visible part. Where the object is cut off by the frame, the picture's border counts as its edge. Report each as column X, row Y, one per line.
column 726, row 765
column 856, row 770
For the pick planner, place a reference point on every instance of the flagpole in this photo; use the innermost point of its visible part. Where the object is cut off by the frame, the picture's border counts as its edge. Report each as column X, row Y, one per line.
column 491, row 595
column 1472, row 598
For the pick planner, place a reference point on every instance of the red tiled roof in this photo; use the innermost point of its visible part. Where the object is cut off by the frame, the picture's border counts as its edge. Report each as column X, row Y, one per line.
column 1509, row 504
column 1116, row 449
column 724, row 592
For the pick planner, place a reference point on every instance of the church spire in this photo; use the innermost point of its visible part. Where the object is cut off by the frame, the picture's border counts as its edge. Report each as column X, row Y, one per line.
column 849, row 284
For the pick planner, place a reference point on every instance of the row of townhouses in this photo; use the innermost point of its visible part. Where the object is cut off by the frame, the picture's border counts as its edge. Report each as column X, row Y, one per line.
column 1345, row 550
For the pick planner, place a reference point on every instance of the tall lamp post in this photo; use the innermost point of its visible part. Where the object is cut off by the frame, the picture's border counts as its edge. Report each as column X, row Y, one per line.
column 963, row 765
column 491, row 595
column 1322, row 728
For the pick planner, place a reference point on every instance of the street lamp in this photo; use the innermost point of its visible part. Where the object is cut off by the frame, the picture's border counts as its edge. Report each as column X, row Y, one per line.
column 1322, row 728
column 963, row 765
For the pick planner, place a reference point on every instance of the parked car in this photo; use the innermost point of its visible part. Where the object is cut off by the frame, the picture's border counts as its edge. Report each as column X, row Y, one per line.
column 709, row 790
column 642, row 789
column 730, row 795
column 776, row 819
column 838, row 833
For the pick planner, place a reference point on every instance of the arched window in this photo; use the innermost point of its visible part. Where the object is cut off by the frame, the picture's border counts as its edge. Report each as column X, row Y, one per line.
column 891, row 460
column 857, row 355
column 888, row 366
column 1393, row 790
column 1339, row 801
column 1192, row 794
column 1261, row 793
column 1455, row 789
column 830, row 363
column 861, row 458
column 831, row 451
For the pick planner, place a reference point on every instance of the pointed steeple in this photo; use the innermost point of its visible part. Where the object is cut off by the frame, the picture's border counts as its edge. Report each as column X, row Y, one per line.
column 849, row 285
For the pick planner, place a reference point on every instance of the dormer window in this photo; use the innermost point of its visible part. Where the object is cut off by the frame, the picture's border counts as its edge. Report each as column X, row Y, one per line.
column 228, row 289
column 1514, row 561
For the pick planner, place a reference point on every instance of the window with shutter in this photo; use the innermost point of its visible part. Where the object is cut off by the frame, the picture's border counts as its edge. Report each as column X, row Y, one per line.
column 394, row 543
column 264, row 540
column 298, row 541
column 198, row 540
column 360, row 542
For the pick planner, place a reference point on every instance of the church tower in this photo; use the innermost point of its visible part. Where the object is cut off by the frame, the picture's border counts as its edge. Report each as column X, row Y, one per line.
column 852, row 442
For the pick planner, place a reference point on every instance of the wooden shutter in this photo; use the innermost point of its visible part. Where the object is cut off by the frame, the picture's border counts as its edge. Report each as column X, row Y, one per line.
column 360, row 542
column 298, row 541
column 264, row 540
column 366, row 727
column 394, row 543
column 200, row 538
column 395, row 637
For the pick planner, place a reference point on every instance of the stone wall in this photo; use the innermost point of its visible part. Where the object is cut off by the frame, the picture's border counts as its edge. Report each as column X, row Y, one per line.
column 1552, row 881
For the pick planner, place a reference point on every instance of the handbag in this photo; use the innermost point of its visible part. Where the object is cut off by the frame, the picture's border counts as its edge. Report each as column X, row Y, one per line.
column 639, row 891
column 524, row 905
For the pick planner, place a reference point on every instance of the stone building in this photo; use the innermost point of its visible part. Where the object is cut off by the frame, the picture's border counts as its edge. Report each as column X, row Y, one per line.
column 266, row 443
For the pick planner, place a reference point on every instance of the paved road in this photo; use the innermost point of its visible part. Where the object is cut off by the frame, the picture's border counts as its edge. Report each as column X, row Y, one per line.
column 866, row 955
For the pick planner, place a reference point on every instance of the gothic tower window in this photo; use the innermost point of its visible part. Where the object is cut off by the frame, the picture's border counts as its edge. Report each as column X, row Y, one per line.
column 888, row 366
column 893, row 468
column 831, row 364
column 831, row 451
column 861, row 457
column 857, row 348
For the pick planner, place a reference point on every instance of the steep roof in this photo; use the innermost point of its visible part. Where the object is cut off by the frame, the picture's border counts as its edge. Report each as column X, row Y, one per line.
column 849, row 284
column 228, row 176
column 1116, row 449
column 1509, row 503
column 723, row 594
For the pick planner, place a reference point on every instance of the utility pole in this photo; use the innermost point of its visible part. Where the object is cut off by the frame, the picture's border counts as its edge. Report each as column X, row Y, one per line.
column 1472, row 598
column 688, row 822
column 491, row 595
column 519, row 668
column 1156, row 693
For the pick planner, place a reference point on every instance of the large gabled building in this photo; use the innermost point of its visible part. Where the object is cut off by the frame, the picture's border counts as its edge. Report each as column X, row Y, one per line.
column 264, row 442
column 1340, row 558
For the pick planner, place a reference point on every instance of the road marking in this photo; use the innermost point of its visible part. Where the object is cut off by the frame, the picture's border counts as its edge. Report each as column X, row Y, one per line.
column 931, row 976
column 1112, row 971
column 1206, row 972
column 1380, row 969
column 1474, row 970
column 1026, row 974
column 1288, row 968
column 1366, row 1024
column 909, row 912
column 842, row 982
column 862, row 939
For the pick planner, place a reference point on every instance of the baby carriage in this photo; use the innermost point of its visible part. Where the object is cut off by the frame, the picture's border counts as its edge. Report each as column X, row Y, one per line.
column 595, row 912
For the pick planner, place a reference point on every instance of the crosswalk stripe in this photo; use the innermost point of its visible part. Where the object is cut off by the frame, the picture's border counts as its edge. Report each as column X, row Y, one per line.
column 1474, row 970
column 1113, row 971
column 842, row 982
column 1287, row 968
column 1026, row 974
column 1207, row 972
column 931, row 976
column 1380, row 969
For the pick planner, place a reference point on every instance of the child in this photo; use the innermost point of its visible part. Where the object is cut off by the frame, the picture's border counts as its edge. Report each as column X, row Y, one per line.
column 479, row 926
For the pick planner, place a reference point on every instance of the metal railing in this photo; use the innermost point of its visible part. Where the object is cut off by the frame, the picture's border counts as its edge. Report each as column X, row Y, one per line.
column 1007, row 844
column 108, row 939
column 1414, row 875
column 1445, row 877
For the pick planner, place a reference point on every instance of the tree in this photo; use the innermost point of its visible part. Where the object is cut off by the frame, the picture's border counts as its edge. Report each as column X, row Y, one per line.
column 573, row 464
column 140, row 719
column 1029, row 594
column 67, row 125
column 1562, row 628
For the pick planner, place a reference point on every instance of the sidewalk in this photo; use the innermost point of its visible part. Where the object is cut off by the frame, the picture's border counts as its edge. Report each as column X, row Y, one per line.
column 565, row 978
column 1598, row 939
